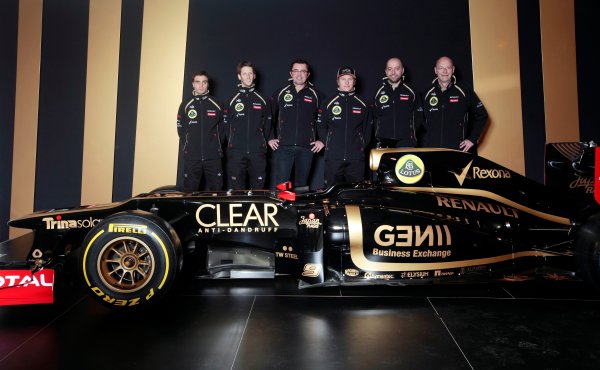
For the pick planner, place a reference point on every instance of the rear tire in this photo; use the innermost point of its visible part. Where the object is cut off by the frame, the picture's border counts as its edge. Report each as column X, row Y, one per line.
column 587, row 244
column 130, row 259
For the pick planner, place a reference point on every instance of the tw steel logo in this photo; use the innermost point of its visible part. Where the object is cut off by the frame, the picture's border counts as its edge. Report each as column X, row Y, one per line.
column 236, row 215
column 481, row 173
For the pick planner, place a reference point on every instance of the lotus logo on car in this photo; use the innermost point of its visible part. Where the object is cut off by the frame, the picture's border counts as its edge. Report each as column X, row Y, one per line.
column 410, row 169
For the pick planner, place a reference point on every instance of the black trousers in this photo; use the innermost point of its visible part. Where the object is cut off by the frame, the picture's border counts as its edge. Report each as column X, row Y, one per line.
column 297, row 157
column 195, row 170
column 240, row 165
column 338, row 171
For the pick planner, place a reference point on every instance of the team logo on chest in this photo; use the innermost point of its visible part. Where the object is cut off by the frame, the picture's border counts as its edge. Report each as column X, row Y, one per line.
column 383, row 99
column 192, row 113
column 337, row 110
column 433, row 101
column 239, row 107
column 288, row 97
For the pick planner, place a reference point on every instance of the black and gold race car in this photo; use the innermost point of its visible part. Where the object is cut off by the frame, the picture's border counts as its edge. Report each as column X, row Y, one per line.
column 431, row 215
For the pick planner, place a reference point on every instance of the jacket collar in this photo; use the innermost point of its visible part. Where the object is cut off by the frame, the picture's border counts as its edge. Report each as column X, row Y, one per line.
column 243, row 89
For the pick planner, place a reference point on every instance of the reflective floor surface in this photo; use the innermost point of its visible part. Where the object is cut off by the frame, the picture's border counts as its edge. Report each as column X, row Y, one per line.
column 266, row 324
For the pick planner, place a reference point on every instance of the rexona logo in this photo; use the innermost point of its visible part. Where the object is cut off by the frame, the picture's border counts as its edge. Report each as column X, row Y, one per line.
column 480, row 173
column 60, row 224
column 127, row 228
column 410, row 169
column 237, row 217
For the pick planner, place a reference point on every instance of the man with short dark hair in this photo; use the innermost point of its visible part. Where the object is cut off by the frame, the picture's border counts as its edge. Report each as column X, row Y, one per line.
column 345, row 124
column 247, row 125
column 199, row 125
column 293, row 138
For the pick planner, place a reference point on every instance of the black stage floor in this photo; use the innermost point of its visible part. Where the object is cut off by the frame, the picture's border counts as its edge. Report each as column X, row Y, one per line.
column 268, row 324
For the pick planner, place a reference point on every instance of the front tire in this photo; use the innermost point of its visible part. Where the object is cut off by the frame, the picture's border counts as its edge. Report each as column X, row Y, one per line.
column 130, row 259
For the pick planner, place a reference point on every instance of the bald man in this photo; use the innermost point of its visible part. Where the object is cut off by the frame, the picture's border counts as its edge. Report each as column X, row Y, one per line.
column 397, row 113
column 454, row 115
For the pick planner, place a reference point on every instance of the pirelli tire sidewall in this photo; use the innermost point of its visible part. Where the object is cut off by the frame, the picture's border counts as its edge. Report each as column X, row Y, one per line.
column 130, row 259
column 587, row 242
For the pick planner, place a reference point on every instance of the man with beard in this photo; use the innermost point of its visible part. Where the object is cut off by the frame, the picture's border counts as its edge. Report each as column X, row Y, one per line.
column 397, row 110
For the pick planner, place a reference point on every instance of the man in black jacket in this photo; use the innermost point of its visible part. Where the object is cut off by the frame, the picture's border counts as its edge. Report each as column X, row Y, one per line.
column 199, row 125
column 345, row 124
column 248, row 123
column 293, row 138
column 397, row 109
column 454, row 115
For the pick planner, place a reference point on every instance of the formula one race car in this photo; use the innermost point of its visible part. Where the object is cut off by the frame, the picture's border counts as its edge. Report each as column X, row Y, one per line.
column 431, row 215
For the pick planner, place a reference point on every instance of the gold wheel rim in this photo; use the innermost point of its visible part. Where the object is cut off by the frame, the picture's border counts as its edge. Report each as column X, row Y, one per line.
column 126, row 264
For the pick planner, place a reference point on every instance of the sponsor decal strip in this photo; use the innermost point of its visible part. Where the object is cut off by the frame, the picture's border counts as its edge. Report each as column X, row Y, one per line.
column 493, row 196
column 361, row 261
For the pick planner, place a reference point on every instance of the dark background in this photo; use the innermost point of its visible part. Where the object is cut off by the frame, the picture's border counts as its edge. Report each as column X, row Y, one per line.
column 328, row 34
